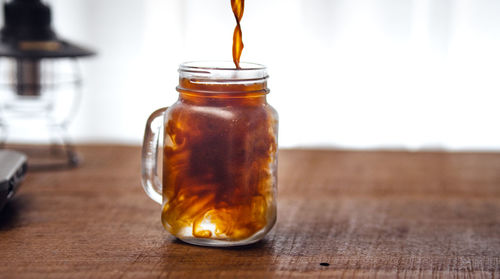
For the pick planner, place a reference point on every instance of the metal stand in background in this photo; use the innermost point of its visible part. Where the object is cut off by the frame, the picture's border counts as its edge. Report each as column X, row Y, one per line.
column 57, row 150
column 32, row 84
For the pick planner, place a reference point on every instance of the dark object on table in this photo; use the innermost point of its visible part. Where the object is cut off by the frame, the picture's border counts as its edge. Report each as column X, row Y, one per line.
column 12, row 171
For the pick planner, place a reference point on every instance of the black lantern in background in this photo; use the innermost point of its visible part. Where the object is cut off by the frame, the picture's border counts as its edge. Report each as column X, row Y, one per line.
column 40, row 81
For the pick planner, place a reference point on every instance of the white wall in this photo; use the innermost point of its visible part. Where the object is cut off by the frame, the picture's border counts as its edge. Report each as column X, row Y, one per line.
column 362, row 74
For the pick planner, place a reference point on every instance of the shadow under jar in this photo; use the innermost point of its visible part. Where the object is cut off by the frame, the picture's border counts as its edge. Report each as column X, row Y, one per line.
column 219, row 156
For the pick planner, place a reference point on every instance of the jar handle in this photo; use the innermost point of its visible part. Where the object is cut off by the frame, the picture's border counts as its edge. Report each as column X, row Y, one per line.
column 150, row 180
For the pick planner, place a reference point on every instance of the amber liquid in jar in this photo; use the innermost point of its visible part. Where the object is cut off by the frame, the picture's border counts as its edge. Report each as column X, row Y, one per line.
column 220, row 156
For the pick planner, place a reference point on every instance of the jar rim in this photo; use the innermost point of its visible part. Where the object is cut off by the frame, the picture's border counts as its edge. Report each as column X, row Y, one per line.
column 220, row 65
column 223, row 71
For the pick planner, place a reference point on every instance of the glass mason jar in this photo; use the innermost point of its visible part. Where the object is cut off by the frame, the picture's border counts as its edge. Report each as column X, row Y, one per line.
column 219, row 156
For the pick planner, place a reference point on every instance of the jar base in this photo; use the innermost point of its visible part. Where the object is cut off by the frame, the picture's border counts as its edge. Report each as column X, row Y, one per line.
column 211, row 242
column 207, row 242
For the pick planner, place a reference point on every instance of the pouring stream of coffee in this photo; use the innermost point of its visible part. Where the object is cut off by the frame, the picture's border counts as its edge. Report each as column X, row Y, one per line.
column 238, row 7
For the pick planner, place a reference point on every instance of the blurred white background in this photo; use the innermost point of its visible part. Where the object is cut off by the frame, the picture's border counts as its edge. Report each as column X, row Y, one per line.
column 416, row 74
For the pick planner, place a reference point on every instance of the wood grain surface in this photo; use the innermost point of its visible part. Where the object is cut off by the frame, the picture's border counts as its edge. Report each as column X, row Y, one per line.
column 341, row 214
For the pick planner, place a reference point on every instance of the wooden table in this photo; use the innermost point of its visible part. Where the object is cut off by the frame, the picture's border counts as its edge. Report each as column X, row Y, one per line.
column 363, row 214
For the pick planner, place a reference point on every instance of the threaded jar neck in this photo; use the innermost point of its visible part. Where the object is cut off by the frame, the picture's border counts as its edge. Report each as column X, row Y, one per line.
column 221, row 79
